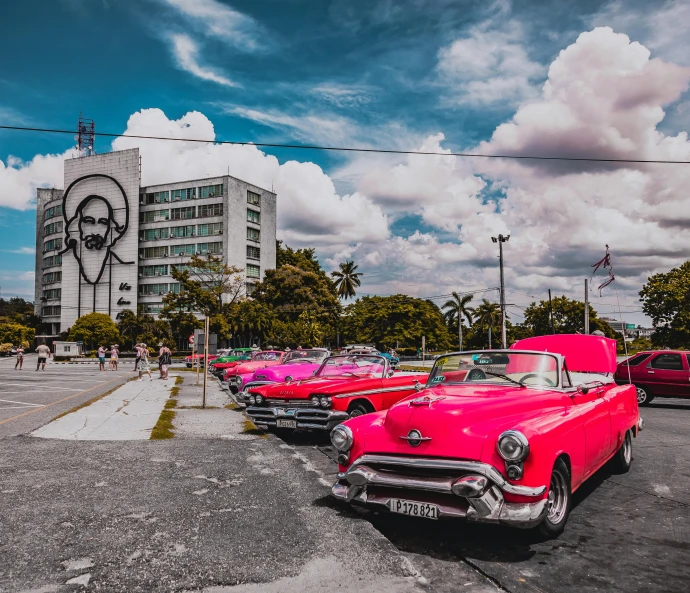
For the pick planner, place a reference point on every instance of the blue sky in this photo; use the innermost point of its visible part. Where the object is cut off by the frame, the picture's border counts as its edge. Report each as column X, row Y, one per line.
column 389, row 74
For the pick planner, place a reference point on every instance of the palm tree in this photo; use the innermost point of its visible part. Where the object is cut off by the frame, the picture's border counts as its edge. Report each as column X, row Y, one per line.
column 347, row 279
column 487, row 314
column 457, row 308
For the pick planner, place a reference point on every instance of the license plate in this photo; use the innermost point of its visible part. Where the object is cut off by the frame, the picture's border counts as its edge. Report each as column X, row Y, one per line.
column 414, row 509
column 286, row 423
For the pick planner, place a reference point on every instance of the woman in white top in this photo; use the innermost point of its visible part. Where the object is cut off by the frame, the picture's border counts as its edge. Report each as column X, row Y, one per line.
column 144, row 364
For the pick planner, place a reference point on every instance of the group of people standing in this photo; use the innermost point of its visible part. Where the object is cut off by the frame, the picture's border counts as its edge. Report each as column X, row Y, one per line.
column 114, row 357
column 43, row 355
column 143, row 364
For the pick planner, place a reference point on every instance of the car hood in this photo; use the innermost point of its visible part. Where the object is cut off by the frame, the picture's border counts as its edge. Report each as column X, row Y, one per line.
column 250, row 367
column 279, row 372
column 305, row 387
column 460, row 421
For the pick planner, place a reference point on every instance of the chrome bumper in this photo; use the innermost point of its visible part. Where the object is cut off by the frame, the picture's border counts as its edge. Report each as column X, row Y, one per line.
column 377, row 479
column 242, row 397
column 312, row 418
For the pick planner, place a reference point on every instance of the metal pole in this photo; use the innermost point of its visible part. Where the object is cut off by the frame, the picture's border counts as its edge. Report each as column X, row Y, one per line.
column 503, row 293
column 553, row 329
column 196, row 360
column 203, row 400
column 586, row 306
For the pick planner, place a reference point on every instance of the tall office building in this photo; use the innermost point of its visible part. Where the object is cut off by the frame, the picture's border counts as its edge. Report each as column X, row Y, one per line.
column 104, row 243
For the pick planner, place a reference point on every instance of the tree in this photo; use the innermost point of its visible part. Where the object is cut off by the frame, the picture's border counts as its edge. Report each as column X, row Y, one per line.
column 568, row 318
column 250, row 321
column 16, row 334
column 18, row 310
column 300, row 258
column 141, row 327
column 488, row 316
column 347, row 279
column 666, row 299
column 457, row 309
column 94, row 329
column 398, row 320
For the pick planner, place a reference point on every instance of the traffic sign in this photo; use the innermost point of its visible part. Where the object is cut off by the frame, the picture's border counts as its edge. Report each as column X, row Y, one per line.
column 191, row 339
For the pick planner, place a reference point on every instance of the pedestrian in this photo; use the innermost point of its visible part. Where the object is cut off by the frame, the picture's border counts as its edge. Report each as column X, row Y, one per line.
column 114, row 356
column 20, row 358
column 101, row 358
column 144, row 364
column 164, row 361
column 43, row 355
column 161, row 349
column 137, row 347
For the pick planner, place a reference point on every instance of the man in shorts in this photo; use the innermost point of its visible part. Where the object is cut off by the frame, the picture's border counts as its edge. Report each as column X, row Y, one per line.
column 101, row 358
column 43, row 355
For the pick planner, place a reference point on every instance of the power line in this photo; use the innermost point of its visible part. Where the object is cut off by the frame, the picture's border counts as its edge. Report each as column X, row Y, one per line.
column 355, row 149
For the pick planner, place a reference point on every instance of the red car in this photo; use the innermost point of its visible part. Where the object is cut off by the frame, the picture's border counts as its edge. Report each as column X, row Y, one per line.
column 343, row 387
column 191, row 361
column 236, row 374
column 663, row 373
column 498, row 436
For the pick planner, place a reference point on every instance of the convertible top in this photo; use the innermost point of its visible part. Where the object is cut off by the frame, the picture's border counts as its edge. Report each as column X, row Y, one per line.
column 583, row 353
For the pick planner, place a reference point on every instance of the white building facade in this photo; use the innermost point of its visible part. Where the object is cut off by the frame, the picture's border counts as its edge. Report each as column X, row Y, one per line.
column 106, row 244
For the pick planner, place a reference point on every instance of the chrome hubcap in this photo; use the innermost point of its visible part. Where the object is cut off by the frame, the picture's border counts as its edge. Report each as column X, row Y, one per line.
column 627, row 449
column 558, row 499
column 355, row 413
column 641, row 395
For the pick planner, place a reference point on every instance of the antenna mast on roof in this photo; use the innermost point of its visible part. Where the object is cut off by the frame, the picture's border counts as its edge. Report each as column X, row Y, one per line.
column 86, row 134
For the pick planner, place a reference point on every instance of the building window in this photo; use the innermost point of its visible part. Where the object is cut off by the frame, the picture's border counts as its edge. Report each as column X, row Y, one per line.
column 52, row 277
column 53, row 212
column 250, row 288
column 154, row 289
column 158, row 197
column 154, row 216
column 177, row 195
column 253, row 234
column 209, row 248
column 159, row 270
column 210, row 210
column 152, row 307
column 253, row 271
column 52, row 228
column 49, row 311
column 153, row 252
column 253, row 198
column 183, row 249
column 52, row 294
column 182, row 213
column 211, row 191
column 253, row 216
column 52, row 260
column 212, row 228
column 52, row 244
column 179, row 232
column 153, row 234
column 253, row 252
column 181, row 268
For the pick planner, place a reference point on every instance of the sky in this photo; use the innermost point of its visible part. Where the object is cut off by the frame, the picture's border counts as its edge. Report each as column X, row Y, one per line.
column 590, row 79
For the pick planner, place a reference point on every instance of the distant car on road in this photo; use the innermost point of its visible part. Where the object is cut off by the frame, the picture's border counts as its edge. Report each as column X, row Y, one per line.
column 662, row 373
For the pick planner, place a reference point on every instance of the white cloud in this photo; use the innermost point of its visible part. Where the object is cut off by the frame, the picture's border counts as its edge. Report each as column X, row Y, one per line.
column 489, row 65
column 186, row 53
column 19, row 179
column 342, row 96
column 21, row 250
column 215, row 19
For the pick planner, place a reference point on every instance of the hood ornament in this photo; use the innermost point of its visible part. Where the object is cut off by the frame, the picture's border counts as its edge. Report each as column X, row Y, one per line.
column 426, row 400
column 414, row 438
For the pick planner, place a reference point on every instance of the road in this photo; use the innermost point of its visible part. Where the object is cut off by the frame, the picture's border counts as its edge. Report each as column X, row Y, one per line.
column 30, row 398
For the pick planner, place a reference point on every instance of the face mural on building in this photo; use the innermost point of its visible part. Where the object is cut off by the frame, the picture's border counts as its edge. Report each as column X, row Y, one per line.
column 94, row 224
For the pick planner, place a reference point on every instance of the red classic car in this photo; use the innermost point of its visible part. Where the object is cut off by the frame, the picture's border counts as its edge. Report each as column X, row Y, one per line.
column 236, row 374
column 198, row 358
column 343, row 387
column 663, row 373
column 499, row 436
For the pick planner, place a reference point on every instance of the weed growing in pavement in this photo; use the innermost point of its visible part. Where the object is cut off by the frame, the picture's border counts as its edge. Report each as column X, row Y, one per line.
column 179, row 380
column 248, row 427
column 164, row 426
column 231, row 406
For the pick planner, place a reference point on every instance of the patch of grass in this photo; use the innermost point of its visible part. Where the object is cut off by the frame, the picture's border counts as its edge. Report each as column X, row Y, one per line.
column 231, row 406
column 248, row 427
column 164, row 427
column 179, row 380
column 91, row 401
column 175, row 391
column 170, row 404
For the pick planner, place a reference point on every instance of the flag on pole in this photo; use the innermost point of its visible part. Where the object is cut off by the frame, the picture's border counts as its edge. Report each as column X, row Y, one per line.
column 604, row 263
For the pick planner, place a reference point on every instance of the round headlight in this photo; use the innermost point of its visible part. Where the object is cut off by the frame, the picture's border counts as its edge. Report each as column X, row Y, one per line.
column 288, row 378
column 342, row 439
column 315, row 400
column 252, row 400
column 325, row 402
column 259, row 400
column 513, row 446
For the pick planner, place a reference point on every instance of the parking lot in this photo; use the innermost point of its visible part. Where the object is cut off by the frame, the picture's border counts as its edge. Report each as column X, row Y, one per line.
column 30, row 398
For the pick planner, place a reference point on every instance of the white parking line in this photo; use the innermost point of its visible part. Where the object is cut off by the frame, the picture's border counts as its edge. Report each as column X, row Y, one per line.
column 9, row 401
column 32, row 385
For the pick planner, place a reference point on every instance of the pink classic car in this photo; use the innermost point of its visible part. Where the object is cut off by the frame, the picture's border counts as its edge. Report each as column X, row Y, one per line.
column 498, row 436
column 297, row 364
column 236, row 374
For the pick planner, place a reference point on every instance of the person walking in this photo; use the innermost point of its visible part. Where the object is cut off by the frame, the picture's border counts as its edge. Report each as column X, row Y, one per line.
column 164, row 361
column 144, row 364
column 43, row 355
column 101, row 358
column 114, row 357
column 20, row 358
column 137, row 360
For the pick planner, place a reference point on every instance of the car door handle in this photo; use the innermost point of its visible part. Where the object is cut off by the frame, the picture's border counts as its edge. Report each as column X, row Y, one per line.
column 650, row 372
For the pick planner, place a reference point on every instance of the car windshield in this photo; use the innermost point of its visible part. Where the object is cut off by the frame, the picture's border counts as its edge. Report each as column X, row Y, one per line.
column 267, row 356
column 305, row 355
column 356, row 365
column 496, row 367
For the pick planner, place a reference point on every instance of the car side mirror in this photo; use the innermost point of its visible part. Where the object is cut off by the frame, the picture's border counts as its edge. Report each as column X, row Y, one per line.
column 418, row 386
column 583, row 389
column 390, row 373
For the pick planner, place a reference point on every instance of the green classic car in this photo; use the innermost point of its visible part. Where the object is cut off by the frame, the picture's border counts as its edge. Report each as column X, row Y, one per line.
column 237, row 354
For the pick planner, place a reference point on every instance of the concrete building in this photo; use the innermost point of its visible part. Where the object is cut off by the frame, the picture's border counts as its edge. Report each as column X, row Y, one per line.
column 107, row 244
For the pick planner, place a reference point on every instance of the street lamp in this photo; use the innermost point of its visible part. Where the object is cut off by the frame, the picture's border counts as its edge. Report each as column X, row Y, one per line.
column 501, row 239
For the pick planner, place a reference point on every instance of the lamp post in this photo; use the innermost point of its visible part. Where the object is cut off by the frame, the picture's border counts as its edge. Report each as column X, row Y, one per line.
column 501, row 239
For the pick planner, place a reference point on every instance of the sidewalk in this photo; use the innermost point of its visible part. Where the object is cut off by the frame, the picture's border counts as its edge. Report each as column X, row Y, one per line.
column 129, row 413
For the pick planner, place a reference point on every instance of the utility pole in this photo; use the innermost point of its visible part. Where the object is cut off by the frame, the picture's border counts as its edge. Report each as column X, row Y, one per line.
column 203, row 399
column 501, row 239
column 586, row 306
column 553, row 328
